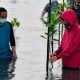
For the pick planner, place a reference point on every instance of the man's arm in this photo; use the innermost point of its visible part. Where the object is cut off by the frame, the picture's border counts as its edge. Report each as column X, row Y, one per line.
column 44, row 11
column 12, row 43
column 42, row 14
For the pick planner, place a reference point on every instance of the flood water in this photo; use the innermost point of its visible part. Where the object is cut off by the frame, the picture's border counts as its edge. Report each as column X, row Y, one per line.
column 31, row 48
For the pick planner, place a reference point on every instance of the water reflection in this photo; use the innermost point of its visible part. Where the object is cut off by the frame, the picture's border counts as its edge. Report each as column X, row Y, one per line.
column 71, row 75
column 67, row 74
column 6, row 69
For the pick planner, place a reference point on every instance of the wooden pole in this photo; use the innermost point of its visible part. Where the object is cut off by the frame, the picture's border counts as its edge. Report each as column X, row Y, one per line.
column 48, row 42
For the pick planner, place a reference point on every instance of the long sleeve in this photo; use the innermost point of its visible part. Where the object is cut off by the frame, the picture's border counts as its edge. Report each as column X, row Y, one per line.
column 12, row 39
column 58, row 50
column 71, row 46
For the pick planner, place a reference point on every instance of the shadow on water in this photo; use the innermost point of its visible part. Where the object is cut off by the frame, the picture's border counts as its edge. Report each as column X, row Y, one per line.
column 67, row 74
column 6, row 69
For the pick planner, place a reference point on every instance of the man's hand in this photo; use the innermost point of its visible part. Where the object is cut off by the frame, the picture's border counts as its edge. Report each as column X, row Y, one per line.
column 53, row 54
column 14, row 52
column 53, row 58
column 14, row 55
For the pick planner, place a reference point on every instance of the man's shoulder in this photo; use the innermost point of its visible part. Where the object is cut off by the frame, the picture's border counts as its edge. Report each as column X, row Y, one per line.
column 46, row 8
column 9, row 23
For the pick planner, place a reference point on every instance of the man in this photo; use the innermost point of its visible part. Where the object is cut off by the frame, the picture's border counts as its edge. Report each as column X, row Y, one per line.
column 54, row 7
column 7, row 39
column 69, row 50
column 76, row 8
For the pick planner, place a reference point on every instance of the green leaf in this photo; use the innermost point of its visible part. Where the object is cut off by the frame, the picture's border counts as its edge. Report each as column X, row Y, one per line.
column 55, row 40
column 12, row 23
column 67, row 5
column 15, row 22
column 15, row 19
column 52, row 33
column 46, row 33
column 43, row 36
column 45, row 22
